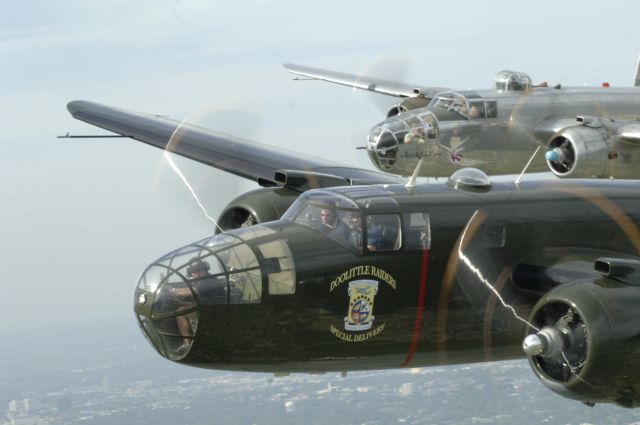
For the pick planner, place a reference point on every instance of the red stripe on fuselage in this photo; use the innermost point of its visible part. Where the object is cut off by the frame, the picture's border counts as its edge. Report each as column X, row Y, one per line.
column 420, row 307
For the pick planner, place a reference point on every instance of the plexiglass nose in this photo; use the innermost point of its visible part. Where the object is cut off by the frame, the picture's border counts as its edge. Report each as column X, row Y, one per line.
column 174, row 291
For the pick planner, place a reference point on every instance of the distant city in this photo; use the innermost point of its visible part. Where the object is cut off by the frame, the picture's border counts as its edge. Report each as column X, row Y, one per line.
column 107, row 374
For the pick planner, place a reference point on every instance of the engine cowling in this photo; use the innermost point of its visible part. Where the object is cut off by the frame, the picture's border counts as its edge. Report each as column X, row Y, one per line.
column 587, row 346
column 407, row 104
column 579, row 152
column 257, row 206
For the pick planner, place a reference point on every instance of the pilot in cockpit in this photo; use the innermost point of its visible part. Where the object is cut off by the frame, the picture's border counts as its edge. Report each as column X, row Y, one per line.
column 332, row 225
column 374, row 236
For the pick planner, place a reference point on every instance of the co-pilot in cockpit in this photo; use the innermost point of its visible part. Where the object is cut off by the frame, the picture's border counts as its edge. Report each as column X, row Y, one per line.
column 341, row 220
column 462, row 105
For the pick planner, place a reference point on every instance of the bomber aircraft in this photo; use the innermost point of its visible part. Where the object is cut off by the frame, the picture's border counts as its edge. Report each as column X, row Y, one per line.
column 328, row 267
column 583, row 131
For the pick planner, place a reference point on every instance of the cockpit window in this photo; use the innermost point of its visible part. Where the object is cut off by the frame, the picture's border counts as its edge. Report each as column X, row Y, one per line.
column 463, row 105
column 417, row 231
column 451, row 102
column 279, row 267
column 327, row 212
column 383, row 232
column 252, row 232
column 476, row 110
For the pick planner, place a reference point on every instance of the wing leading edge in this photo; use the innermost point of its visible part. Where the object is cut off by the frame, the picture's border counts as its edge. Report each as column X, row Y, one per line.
column 244, row 158
column 377, row 85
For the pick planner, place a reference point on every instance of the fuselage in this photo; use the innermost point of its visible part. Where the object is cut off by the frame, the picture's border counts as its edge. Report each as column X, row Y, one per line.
column 288, row 296
column 496, row 130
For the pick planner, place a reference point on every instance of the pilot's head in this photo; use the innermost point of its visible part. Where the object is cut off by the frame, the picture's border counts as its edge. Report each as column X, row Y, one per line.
column 328, row 216
column 197, row 268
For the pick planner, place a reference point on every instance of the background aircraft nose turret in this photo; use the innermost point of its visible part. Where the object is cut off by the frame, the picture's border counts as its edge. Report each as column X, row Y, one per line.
column 416, row 127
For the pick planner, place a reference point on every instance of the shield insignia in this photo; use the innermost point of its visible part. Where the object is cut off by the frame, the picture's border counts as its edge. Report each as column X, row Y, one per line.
column 361, row 297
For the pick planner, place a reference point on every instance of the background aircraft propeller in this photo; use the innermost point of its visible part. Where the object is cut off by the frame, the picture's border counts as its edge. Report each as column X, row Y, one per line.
column 393, row 68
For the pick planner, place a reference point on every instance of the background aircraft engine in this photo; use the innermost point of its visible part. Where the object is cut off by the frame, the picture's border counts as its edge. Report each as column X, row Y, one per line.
column 579, row 152
column 258, row 206
column 407, row 104
column 589, row 340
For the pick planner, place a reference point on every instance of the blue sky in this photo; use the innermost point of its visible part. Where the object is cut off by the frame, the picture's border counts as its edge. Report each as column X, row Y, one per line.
column 80, row 219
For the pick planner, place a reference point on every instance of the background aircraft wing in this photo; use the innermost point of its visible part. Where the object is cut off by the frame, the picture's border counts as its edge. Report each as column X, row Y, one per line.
column 377, row 85
column 267, row 165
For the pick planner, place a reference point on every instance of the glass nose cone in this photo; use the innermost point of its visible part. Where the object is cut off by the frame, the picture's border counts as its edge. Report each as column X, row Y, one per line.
column 412, row 127
column 173, row 291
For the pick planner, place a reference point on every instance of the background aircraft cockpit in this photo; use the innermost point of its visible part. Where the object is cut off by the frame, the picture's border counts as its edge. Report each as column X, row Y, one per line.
column 462, row 105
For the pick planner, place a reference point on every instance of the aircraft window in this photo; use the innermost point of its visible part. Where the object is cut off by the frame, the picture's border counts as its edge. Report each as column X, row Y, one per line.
column 430, row 124
column 326, row 212
column 176, row 347
column 417, row 231
column 183, row 325
column 412, row 121
column 512, row 81
column 469, row 94
column 476, row 110
column 219, row 240
column 246, row 287
column 252, row 232
column 215, row 267
column 210, row 289
column 452, row 102
column 491, row 108
column 173, row 297
column 152, row 277
column 279, row 267
column 150, row 332
column 238, row 258
column 317, row 198
column 383, row 232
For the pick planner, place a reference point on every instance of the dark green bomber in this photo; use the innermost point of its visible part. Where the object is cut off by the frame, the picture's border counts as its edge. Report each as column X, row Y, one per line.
column 524, row 241
column 365, row 273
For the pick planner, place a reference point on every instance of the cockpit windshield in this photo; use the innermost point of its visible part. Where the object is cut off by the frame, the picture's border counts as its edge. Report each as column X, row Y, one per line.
column 462, row 105
column 341, row 219
column 327, row 212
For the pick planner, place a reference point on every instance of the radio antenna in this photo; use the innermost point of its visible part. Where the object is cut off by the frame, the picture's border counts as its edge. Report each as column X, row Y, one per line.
column 527, row 166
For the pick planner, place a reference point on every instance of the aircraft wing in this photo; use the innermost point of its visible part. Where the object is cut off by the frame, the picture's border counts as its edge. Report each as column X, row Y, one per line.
column 377, row 85
column 267, row 165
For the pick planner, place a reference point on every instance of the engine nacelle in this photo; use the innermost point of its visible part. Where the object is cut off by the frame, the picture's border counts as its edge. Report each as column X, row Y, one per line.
column 257, row 206
column 588, row 343
column 407, row 104
column 579, row 152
